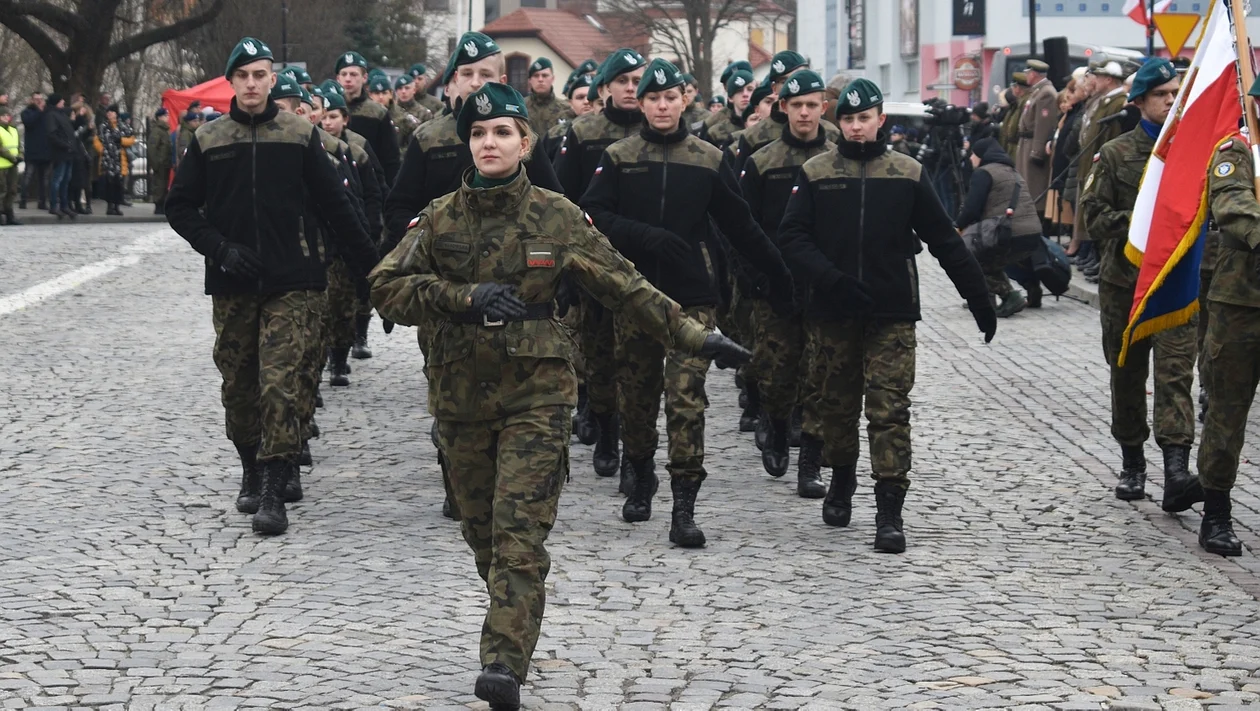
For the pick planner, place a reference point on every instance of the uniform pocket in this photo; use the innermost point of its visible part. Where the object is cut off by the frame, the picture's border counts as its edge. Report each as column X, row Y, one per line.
column 912, row 272
column 540, row 338
column 455, row 257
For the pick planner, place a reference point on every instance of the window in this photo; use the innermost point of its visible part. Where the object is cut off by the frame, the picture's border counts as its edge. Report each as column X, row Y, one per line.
column 534, row 3
column 942, row 77
column 885, row 76
column 437, row 6
column 912, row 77
column 518, row 72
column 492, row 10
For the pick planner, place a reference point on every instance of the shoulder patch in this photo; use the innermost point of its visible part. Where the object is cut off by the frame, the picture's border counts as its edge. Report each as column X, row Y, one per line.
column 589, row 221
column 414, row 221
column 1226, row 145
column 1224, row 170
column 1090, row 180
column 1097, row 156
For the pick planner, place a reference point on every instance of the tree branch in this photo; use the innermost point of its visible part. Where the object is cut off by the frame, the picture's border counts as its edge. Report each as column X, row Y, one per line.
column 58, row 19
column 53, row 56
column 165, row 33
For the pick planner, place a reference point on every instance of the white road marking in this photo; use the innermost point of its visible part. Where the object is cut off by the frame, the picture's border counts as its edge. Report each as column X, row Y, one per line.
column 150, row 243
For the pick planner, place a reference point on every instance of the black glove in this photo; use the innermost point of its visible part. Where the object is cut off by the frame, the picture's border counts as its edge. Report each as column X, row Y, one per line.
column 722, row 349
column 387, row 325
column 782, row 295
column 667, row 245
column 986, row 317
column 851, row 294
column 238, row 260
column 566, row 297
column 497, row 302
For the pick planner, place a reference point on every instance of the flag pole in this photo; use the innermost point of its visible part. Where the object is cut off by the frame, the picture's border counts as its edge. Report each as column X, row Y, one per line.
column 1246, row 76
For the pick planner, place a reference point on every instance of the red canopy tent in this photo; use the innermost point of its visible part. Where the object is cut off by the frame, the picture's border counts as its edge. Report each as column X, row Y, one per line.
column 216, row 93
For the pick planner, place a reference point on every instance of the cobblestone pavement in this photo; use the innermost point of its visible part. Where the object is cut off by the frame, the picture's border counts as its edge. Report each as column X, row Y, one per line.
column 127, row 579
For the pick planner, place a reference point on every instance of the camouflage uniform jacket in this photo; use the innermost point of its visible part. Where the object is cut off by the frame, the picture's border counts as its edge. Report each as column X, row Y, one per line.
column 431, row 102
column 555, row 135
column 1236, row 277
column 340, row 155
column 1107, row 198
column 766, row 132
column 247, row 179
column 1008, row 134
column 544, row 111
column 679, row 183
column 694, row 116
column 766, row 183
column 721, row 131
column 432, row 166
column 371, row 120
column 1094, row 135
column 863, row 210
column 407, row 118
column 528, row 237
column 584, row 145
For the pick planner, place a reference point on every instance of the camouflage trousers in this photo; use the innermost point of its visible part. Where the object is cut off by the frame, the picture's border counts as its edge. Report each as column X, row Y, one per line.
column 342, row 305
column 313, row 367
column 645, row 369
column 728, row 317
column 1233, row 373
column 505, row 481
column 1174, row 352
column 737, row 325
column 874, row 359
column 8, row 187
column 782, row 352
column 1200, row 341
column 598, row 340
column 262, row 345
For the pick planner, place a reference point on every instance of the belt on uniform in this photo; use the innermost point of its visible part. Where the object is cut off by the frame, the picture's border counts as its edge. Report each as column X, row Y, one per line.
column 533, row 312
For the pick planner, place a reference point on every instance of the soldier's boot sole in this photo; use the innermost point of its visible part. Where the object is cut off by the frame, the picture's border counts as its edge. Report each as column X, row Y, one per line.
column 1132, row 487
column 501, row 690
column 247, row 504
column 271, row 522
column 888, row 539
column 1180, row 493
column 685, row 536
column 810, row 488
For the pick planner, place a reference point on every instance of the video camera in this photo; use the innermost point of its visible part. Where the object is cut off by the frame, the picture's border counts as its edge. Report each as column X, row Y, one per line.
column 943, row 114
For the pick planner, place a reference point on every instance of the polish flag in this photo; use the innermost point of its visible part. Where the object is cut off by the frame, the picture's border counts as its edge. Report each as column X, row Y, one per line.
column 1136, row 9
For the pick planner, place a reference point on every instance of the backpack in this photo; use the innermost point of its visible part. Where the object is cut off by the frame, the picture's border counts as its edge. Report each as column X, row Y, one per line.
column 1052, row 267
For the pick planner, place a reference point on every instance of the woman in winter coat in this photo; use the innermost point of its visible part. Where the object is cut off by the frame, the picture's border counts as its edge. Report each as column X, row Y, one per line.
column 81, row 170
column 113, row 137
column 989, row 196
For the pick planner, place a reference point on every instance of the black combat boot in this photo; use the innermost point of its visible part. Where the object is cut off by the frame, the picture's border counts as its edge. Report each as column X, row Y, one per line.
column 314, row 429
column 251, row 479
column 626, row 485
column 500, row 686
column 1216, row 533
column 752, row 408
column 638, row 506
column 13, row 220
column 585, row 425
column 360, row 350
column 293, row 481
column 776, row 456
column 271, row 520
column 338, row 368
column 838, row 506
column 888, row 501
column 1034, row 293
column 1132, row 484
column 1181, row 488
column 607, row 455
column 319, row 397
column 304, row 457
column 683, row 530
column 809, row 483
column 743, row 390
column 761, row 432
column 795, row 439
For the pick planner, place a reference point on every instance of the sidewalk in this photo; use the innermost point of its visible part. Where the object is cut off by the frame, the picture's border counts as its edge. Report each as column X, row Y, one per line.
column 139, row 213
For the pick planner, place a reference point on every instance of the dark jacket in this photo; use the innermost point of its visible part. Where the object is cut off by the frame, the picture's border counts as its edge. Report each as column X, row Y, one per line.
column 720, row 132
column 249, row 179
column 865, row 211
column 371, row 120
column 584, row 145
column 1066, row 147
column 766, row 132
column 990, row 192
column 36, row 140
column 432, row 167
column 676, row 182
column 60, row 133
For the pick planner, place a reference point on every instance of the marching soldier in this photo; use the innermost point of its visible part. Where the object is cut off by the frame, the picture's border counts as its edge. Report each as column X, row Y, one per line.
column 1038, row 119
column 238, row 197
column 739, row 87
column 854, row 221
column 407, row 113
column 1108, row 197
column 368, row 118
column 1008, row 132
column 159, row 155
column 741, row 65
column 781, row 67
column 695, row 114
column 420, row 79
column 544, row 108
column 665, row 231
column 577, row 91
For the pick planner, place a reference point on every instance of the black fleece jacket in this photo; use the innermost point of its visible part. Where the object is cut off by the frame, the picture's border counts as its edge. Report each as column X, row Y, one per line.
column 249, row 179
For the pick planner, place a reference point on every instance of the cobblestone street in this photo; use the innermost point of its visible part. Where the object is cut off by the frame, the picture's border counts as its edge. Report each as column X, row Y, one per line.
column 129, row 581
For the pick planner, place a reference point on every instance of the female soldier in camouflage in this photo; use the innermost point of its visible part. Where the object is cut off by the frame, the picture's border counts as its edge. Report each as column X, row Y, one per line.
column 485, row 262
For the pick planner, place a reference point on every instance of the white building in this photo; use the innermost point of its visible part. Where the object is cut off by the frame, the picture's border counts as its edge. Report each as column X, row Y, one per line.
column 909, row 47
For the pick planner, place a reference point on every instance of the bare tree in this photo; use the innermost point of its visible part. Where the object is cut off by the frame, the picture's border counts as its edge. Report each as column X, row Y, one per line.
column 315, row 30
column 76, row 40
column 21, row 71
column 685, row 28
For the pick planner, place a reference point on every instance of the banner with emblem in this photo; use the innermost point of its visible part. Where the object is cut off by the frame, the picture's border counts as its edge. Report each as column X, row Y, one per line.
column 1170, row 217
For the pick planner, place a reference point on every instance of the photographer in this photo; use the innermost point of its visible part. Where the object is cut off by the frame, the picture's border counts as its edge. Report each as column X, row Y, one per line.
column 942, row 153
column 989, row 197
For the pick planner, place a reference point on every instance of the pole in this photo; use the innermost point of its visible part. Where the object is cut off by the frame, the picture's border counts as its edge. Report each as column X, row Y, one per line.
column 1150, row 28
column 284, row 32
column 1032, row 28
column 1246, row 75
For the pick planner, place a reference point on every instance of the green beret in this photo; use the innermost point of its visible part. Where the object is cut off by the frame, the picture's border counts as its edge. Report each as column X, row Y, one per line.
column 402, row 81
column 350, row 59
column 736, row 82
column 858, row 96
column 539, row 65
column 690, row 80
column 719, row 100
column 619, row 62
column 786, row 62
column 317, row 91
column 300, row 74
column 418, row 70
column 472, row 47
column 763, row 90
column 587, row 67
column 490, row 101
column 378, row 84
column 581, row 81
column 734, row 67
column 334, row 100
column 1155, row 72
column 801, row 83
column 246, row 51
column 286, row 87
column 659, row 76
column 1037, row 65
column 307, row 98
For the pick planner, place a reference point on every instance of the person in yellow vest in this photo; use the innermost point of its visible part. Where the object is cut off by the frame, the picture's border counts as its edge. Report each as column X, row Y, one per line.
column 10, row 156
